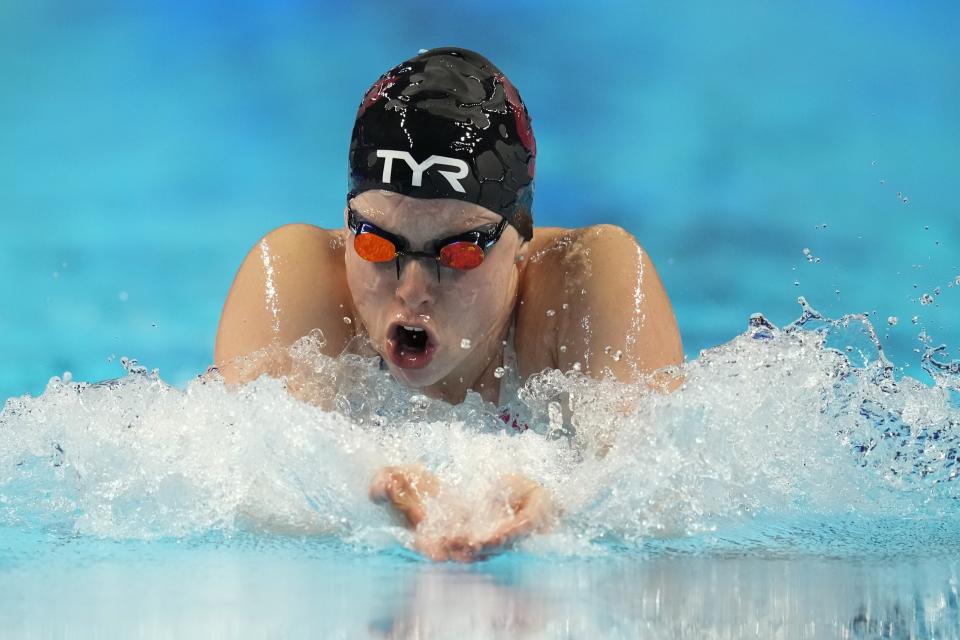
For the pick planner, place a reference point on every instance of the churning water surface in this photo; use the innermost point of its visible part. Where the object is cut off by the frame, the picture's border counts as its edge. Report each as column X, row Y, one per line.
column 792, row 483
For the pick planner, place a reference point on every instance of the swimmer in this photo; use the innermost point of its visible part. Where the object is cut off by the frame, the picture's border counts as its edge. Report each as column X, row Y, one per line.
column 439, row 271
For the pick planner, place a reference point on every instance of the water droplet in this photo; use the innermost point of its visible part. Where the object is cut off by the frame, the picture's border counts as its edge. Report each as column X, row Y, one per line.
column 575, row 366
column 796, row 283
column 926, row 299
column 892, row 321
column 915, row 319
column 936, row 291
column 67, row 377
column 551, row 313
column 567, row 306
column 617, row 356
column 563, row 348
column 465, row 343
column 499, row 372
column 607, row 349
column 347, row 320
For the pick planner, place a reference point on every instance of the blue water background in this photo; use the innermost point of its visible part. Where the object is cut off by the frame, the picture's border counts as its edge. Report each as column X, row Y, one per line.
column 144, row 148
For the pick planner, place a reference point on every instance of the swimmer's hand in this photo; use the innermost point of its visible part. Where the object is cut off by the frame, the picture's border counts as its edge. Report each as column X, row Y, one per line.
column 449, row 530
column 405, row 488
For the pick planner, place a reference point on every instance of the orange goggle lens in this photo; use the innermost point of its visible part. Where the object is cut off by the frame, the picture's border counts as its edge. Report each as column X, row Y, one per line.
column 374, row 248
column 461, row 255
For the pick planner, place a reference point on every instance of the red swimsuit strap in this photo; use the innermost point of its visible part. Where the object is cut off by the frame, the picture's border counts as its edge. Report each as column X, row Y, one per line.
column 512, row 421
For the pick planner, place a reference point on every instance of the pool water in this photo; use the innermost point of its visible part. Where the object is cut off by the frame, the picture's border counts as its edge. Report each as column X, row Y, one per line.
column 796, row 162
column 792, row 485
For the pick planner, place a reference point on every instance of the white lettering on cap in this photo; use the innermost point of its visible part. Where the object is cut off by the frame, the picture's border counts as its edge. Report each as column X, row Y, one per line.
column 453, row 177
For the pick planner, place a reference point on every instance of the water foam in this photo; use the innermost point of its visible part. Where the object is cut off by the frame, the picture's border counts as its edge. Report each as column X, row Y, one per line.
column 777, row 426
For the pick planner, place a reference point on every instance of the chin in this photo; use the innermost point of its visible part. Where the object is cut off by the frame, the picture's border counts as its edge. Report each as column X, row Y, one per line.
column 417, row 378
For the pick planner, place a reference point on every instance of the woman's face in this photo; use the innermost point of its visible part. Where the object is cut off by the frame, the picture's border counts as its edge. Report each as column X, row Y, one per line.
column 432, row 332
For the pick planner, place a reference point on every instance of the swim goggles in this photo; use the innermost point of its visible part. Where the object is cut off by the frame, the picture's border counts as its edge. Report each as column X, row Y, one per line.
column 463, row 251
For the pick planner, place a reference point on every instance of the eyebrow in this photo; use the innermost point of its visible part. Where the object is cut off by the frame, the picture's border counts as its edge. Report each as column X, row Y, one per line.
column 472, row 219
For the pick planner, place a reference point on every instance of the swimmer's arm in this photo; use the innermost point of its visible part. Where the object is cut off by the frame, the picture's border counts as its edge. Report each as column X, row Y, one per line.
column 619, row 317
column 291, row 282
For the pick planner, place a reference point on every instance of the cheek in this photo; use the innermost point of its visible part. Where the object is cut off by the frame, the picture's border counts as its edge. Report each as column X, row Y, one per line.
column 481, row 299
column 368, row 286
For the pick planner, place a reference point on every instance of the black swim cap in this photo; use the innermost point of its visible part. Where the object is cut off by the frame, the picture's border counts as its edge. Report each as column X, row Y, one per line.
column 447, row 124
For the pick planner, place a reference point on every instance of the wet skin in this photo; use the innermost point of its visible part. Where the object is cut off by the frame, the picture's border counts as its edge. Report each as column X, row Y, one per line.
column 586, row 298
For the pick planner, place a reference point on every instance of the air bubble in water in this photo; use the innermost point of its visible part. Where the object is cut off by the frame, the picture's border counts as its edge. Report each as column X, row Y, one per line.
column 123, row 296
column 926, row 299
column 915, row 319
column 499, row 372
column 465, row 343
column 563, row 348
column 418, row 401
column 617, row 356
column 551, row 313
column 567, row 306
column 347, row 320
column 892, row 321
column 555, row 415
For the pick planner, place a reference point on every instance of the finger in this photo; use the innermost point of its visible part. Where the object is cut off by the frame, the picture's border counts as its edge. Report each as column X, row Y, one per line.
column 378, row 486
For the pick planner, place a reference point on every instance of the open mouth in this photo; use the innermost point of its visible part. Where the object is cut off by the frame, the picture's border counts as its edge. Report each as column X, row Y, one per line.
column 409, row 346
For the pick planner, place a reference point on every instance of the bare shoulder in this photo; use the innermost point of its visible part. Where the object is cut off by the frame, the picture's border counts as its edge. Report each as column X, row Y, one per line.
column 291, row 282
column 591, row 297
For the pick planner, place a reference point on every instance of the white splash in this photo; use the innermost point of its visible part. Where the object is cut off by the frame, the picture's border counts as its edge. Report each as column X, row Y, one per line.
column 777, row 423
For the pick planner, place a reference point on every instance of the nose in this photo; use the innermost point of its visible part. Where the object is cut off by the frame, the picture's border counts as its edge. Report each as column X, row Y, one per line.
column 415, row 286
